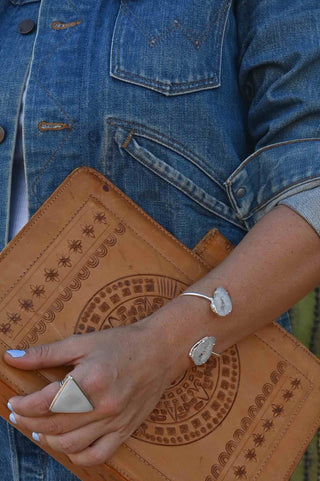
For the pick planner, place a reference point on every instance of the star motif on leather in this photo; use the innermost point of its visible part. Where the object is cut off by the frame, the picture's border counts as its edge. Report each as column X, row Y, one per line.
column 258, row 440
column 26, row 304
column 5, row 328
column 267, row 424
column 14, row 317
column 100, row 218
column 75, row 246
column 278, row 410
column 251, row 455
column 38, row 291
column 287, row 395
column 295, row 383
column 64, row 261
column 240, row 472
column 51, row 275
column 88, row 230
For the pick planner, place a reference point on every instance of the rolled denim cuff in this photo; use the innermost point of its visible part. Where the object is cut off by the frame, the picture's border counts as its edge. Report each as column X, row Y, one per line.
column 273, row 174
column 307, row 204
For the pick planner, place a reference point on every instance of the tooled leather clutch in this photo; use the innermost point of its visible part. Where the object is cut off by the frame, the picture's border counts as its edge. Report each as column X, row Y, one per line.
column 91, row 259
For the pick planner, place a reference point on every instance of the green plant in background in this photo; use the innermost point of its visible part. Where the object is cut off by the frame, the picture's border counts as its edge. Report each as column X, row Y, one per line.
column 305, row 317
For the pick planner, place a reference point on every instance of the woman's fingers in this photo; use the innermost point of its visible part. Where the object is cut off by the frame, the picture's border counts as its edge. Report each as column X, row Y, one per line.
column 38, row 403
column 74, row 441
column 54, row 424
column 35, row 404
column 99, row 451
column 59, row 353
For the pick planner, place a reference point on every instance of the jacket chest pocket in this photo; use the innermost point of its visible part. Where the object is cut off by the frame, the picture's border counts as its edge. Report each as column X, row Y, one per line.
column 173, row 47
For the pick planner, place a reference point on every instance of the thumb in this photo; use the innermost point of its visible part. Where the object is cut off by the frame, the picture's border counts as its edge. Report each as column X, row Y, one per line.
column 60, row 353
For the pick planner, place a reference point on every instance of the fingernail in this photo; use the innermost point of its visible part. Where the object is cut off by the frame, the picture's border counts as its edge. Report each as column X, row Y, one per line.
column 16, row 353
column 13, row 418
column 36, row 437
column 9, row 406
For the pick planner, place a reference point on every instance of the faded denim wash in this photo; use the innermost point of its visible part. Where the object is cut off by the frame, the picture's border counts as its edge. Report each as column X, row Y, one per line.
column 205, row 112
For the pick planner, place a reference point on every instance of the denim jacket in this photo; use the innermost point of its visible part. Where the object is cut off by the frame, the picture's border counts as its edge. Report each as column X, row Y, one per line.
column 205, row 112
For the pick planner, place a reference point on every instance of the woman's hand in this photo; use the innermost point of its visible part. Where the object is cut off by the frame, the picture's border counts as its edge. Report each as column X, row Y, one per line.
column 123, row 371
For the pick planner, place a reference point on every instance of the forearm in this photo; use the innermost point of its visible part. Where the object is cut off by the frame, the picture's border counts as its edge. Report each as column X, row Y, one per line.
column 274, row 266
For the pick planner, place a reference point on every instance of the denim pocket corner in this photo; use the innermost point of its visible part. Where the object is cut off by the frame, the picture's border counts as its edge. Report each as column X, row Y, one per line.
column 173, row 47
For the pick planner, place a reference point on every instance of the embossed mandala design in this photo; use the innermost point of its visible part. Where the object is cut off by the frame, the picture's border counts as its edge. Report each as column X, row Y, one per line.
column 198, row 402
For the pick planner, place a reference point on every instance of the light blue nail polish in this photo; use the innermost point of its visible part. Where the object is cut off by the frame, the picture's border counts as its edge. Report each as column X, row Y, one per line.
column 9, row 406
column 16, row 353
column 36, row 437
column 12, row 418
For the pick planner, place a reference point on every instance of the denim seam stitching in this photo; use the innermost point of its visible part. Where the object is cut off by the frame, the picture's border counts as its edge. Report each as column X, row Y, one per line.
column 189, row 158
column 211, row 81
column 49, row 160
column 126, row 9
column 214, row 20
column 159, row 83
column 13, row 453
column 204, row 204
column 165, row 86
column 35, row 76
column 23, row 2
column 159, row 38
column 168, row 143
column 266, row 148
column 221, row 43
column 113, row 143
column 207, row 30
column 57, row 46
column 43, row 465
column 279, row 192
column 162, row 86
column 164, row 35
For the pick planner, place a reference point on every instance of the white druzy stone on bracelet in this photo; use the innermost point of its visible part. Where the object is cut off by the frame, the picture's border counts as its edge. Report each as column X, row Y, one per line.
column 221, row 303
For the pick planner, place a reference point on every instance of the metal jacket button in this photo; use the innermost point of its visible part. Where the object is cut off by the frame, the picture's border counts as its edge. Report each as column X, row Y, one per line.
column 2, row 134
column 241, row 192
column 26, row 26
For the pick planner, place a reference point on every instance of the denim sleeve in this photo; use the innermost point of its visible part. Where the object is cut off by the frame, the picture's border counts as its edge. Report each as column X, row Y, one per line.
column 307, row 204
column 279, row 71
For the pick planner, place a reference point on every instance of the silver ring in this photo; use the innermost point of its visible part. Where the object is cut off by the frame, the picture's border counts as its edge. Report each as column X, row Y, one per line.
column 70, row 398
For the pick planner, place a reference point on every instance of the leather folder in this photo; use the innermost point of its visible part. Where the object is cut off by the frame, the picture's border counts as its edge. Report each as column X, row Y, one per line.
column 91, row 259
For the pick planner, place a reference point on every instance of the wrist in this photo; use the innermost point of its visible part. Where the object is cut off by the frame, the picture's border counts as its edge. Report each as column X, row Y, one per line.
column 175, row 328
column 170, row 346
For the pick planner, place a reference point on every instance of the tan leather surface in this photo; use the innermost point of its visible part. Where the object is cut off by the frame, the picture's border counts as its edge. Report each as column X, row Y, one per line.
column 213, row 248
column 91, row 259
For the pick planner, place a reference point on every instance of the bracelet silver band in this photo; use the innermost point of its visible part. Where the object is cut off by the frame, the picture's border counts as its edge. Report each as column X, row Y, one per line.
column 220, row 302
column 196, row 294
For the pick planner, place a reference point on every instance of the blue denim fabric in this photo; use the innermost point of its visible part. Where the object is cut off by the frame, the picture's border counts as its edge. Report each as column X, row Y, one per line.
column 217, row 101
column 205, row 112
column 22, row 460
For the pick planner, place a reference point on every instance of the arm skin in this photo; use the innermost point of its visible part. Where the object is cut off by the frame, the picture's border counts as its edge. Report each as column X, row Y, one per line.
column 272, row 268
column 125, row 370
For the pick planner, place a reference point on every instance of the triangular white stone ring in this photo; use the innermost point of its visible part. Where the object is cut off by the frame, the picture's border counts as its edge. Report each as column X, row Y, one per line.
column 70, row 398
